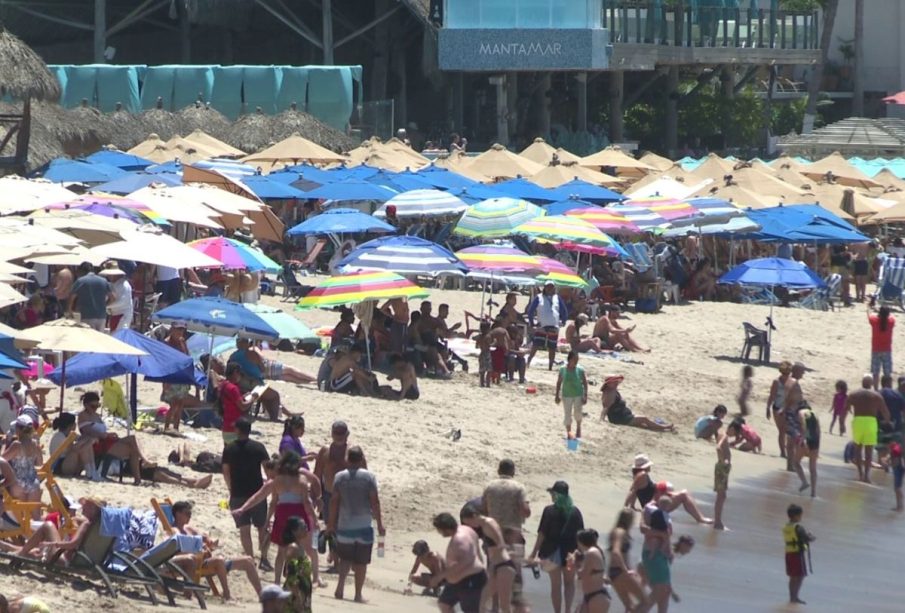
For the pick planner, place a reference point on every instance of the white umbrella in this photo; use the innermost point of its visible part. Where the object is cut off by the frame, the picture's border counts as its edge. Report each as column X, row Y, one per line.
column 155, row 248
column 9, row 296
column 423, row 203
column 170, row 207
column 18, row 195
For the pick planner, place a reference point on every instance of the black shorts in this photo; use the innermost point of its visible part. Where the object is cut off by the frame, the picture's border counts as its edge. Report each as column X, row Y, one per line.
column 170, row 291
column 860, row 267
column 354, row 553
column 255, row 516
column 466, row 593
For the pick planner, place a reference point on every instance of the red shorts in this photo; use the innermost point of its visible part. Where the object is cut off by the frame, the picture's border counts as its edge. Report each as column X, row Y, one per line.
column 795, row 566
column 282, row 514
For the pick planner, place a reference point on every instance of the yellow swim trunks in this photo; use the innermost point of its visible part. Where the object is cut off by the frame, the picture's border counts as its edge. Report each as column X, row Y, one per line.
column 864, row 430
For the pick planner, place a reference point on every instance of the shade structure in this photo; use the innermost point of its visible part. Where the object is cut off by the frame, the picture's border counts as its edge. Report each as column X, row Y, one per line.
column 107, row 205
column 499, row 163
column 235, row 254
column 70, row 258
column 667, row 208
column 217, row 316
column 564, row 206
column 119, row 159
column 399, row 182
column 541, row 152
column 423, row 203
column 773, row 272
column 525, row 190
column 500, row 261
column 9, row 296
column 359, row 286
column 710, row 211
column 265, row 189
column 350, row 190
column 287, row 326
column 443, row 178
column 16, row 232
column 554, row 175
column 586, row 191
column 404, row 255
column 18, row 195
column 170, row 206
column 134, row 181
column 223, row 174
column 563, row 279
column 156, row 248
column 64, row 170
column 570, row 233
column 496, row 217
column 293, row 150
column 21, row 339
column 75, row 337
column 614, row 157
column 841, row 170
column 340, row 221
column 606, row 220
column 159, row 362
column 477, row 193
column 88, row 227
column 221, row 149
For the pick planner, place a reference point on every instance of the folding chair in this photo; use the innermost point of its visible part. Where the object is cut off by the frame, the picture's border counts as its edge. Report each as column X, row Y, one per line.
column 755, row 337
column 175, row 581
column 292, row 288
column 164, row 512
column 310, row 261
column 469, row 317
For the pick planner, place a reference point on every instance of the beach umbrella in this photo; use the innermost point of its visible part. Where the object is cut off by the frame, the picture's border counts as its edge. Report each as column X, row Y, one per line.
column 496, row 217
column 667, row 208
column 606, row 220
column 360, row 286
column 570, row 233
column 614, row 157
column 486, row 261
column 404, row 255
column 349, row 190
column 70, row 258
column 444, row 178
column 267, row 189
column 772, row 273
column 151, row 247
column 564, row 206
column 541, row 152
column 135, row 181
column 711, row 210
column 112, row 207
column 555, row 175
column 287, row 326
column 169, row 206
column 217, row 316
column 840, row 169
column 340, row 221
column 423, row 203
column 586, row 191
column 85, row 226
column 20, row 338
column 217, row 146
column 63, row 170
column 525, row 190
column 293, row 150
column 399, row 182
column 9, row 296
column 118, row 159
column 235, row 254
column 500, row 163
column 18, row 195
column 231, row 169
column 478, row 193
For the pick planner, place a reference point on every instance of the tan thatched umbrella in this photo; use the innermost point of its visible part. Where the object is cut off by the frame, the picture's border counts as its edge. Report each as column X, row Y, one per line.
column 293, row 121
column 837, row 168
column 207, row 142
column 252, row 132
column 206, row 119
column 615, row 157
column 160, row 121
column 498, row 163
column 90, row 131
column 126, row 129
column 23, row 76
column 657, row 161
column 541, row 152
column 293, row 150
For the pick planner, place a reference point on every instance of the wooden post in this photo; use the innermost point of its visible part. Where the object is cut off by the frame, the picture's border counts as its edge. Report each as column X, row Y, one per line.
column 458, row 114
column 858, row 72
column 544, row 100
column 617, row 95
column 327, row 15
column 100, row 31
column 512, row 102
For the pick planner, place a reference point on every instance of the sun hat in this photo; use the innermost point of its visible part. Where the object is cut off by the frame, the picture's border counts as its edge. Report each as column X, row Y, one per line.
column 95, row 500
column 608, row 379
column 24, row 421
column 642, row 462
column 72, row 504
column 274, row 592
column 112, row 272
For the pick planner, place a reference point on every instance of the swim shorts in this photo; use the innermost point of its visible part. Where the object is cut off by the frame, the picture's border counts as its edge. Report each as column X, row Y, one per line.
column 721, row 476
column 898, row 473
column 656, row 565
column 859, row 267
column 795, row 566
column 881, row 360
column 466, row 593
column 546, row 338
column 864, row 430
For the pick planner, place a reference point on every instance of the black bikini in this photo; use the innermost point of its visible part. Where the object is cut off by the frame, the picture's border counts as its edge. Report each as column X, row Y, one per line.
column 488, row 543
column 647, row 493
column 614, row 572
column 589, row 597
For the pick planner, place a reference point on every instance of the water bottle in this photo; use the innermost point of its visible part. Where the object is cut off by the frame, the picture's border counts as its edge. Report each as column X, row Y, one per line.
column 381, row 550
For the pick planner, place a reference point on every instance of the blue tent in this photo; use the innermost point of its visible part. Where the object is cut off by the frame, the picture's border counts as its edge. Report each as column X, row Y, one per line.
column 135, row 181
column 349, row 190
column 340, row 221
column 63, row 170
column 266, row 188
column 564, row 206
column 446, row 179
column 526, row 190
column 119, row 159
column 586, row 191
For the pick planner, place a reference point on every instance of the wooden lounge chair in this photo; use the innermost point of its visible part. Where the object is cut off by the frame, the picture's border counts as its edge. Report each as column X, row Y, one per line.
column 158, row 562
column 164, row 512
column 310, row 261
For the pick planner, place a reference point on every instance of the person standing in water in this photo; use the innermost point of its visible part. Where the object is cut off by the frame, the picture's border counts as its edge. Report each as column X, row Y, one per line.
column 572, row 391
column 798, row 549
column 744, row 390
column 867, row 406
column 793, row 404
column 721, row 477
column 881, row 326
column 776, row 404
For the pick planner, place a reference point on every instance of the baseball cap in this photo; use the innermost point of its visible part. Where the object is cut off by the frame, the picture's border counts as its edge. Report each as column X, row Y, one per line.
column 274, row 592
column 24, row 421
column 560, row 487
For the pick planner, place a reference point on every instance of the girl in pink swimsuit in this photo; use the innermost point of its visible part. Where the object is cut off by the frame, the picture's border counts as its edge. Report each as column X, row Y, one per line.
column 838, row 408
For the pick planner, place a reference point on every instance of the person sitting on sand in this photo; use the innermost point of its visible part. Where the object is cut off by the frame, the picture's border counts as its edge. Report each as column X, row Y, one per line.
column 347, row 375
column 221, row 565
column 578, row 343
column 644, row 490
column 431, row 561
column 746, row 438
column 79, row 457
column 612, row 335
column 706, row 427
column 22, row 604
column 408, row 380
column 425, row 336
column 618, row 413
column 343, row 332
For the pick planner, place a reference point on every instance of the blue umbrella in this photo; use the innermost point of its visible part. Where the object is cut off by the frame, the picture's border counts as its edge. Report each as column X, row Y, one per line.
column 173, row 166
column 340, row 221
column 266, row 188
column 8, row 362
column 62, row 170
column 361, row 172
column 404, row 255
column 586, row 191
column 9, row 351
column 526, row 190
column 135, row 181
column 564, row 206
column 285, row 176
column 476, row 194
column 349, row 190
column 400, row 182
column 446, row 179
column 216, row 316
column 119, row 159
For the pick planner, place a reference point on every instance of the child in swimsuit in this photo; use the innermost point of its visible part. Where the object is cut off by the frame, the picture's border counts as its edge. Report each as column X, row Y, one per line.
column 483, row 342
column 838, row 409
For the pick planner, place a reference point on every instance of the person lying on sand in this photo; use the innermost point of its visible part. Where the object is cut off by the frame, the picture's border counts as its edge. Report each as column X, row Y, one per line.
column 615, row 409
column 576, row 341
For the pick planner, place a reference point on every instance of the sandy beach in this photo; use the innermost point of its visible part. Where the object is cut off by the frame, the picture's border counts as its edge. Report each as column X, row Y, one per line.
column 693, row 366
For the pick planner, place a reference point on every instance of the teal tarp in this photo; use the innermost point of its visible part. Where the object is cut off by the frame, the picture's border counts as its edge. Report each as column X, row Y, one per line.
column 158, row 83
column 81, row 84
column 189, row 83
column 117, row 84
column 226, row 95
column 330, row 94
column 293, row 88
column 260, row 85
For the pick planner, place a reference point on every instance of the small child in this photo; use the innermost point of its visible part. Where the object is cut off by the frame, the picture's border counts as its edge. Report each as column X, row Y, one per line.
column 838, row 408
column 798, row 551
column 897, row 463
column 746, row 438
column 483, row 342
column 431, row 561
column 297, row 570
column 745, row 387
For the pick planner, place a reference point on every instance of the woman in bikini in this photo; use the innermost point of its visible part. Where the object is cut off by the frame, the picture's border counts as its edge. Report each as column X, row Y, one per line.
column 501, row 567
column 591, row 573
column 624, row 579
column 776, row 402
column 576, row 341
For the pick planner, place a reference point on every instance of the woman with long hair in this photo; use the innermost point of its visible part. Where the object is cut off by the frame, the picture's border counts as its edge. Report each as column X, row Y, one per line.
column 881, row 325
column 591, row 572
column 24, row 457
column 556, row 540
column 501, row 568
column 77, row 458
column 776, row 403
column 620, row 573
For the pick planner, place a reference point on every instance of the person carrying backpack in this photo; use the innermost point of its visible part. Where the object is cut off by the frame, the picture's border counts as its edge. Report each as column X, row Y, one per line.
column 810, row 443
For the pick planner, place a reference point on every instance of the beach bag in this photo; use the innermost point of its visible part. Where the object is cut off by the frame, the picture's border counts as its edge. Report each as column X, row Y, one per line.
column 102, row 446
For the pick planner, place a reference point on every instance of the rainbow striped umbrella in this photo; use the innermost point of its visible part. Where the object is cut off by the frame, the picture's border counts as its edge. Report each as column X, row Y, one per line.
column 648, row 213
column 570, row 233
column 360, row 286
column 606, row 220
column 235, row 254
column 559, row 273
column 496, row 217
column 499, row 261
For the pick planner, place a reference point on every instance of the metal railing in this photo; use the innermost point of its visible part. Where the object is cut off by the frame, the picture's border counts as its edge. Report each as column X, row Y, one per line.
column 680, row 25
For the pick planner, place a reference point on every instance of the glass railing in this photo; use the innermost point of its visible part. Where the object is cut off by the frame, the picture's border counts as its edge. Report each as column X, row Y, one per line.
column 521, row 14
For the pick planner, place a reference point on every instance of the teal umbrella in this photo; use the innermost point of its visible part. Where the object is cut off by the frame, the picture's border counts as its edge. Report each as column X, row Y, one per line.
column 285, row 324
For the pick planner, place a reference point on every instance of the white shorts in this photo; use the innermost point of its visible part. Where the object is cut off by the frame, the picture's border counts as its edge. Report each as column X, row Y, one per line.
column 571, row 409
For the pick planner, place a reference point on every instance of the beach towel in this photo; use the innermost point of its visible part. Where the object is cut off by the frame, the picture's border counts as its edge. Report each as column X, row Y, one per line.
column 141, row 534
column 114, row 398
column 115, row 522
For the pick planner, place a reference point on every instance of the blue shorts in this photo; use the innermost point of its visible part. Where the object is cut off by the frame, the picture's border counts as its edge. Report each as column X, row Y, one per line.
column 881, row 359
column 898, row 473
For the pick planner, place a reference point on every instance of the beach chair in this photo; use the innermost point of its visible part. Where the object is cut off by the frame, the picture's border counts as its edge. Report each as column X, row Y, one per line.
column 755, row 337
column 164, row 512
column 751, row 294
column 292, row 288
column 477, row 319
column 822, row 299
column 310, row 261
column 891, row 283
column 173, row 580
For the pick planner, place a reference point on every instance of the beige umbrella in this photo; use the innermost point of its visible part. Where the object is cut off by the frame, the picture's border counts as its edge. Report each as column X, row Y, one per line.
column 737, row 195
column 615, row 157
column 714, row 167
column 152, row 247
column 88, row 227
column 894, row 214
column 675, row 172
column 70, row 258
column 194, row 174
column 666, row 187
column 293, row 150
column 12, row 279
column 17, row 232
column 387, row 160
column 18, row 195
column 19, row 252
column 837, row 167
column 13, row 269
column 209, row 143
column 555, row 175
column 457, row 162
column 21, row 338
column 9, row 296
column 169, row 206
column 787, row 161
column 188, row 152
column 393, row 152
column 542, row 152
column 888, row 180
column 498, row 163
column 835, row 197
column 232, row 210
column 658, row 162
column 765, row 185
column 153, row 148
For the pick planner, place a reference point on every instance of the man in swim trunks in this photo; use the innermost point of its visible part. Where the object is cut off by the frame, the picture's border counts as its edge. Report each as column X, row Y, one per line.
column 397, row 310
column 426, row 334
column 464, row 574
column 347, row 375
column 551, row 313
column 506, row 501
column 794, row 401
column 867, row 406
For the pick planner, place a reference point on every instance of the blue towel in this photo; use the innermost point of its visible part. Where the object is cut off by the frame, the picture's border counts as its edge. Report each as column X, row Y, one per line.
column 115, row 522
column 141, row 534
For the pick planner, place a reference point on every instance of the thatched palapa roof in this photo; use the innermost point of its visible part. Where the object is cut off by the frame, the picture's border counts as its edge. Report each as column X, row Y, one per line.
column 205, row 118
column 43, row 145
column 257, row 131
column 23, row 74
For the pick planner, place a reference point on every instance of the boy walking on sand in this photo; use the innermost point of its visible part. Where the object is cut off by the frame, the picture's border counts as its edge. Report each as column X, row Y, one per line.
column 798, row 543
column 721, row 477
column 572, row 391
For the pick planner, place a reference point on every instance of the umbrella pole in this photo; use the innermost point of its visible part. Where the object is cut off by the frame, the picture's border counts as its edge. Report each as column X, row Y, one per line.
column 133, row 400
column 770, row 322
column 368, row 346
column 484, row 291
column 210, row 360
column 62, row 379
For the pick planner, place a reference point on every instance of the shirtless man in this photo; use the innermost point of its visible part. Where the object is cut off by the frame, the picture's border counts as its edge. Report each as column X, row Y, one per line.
column 347, row 375
column 408, row 380
column 867, row 406
column 610, row 333
column 464, row 573
column 425, row 334
column 794, row 402
column 397, row 310
column 333, row 459
column 343, row 332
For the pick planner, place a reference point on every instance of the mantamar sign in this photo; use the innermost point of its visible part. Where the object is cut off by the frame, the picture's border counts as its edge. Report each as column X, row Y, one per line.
column 477, row 50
